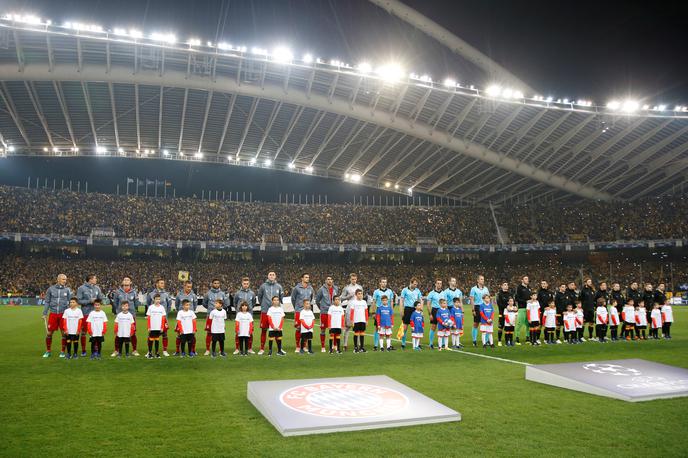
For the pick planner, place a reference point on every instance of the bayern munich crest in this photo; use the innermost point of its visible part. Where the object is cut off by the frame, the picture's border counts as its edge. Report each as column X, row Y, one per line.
column 344, row 400
column 316, row 406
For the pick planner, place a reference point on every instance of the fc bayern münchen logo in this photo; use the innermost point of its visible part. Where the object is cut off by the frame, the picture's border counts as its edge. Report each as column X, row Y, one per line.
column 344, row 400
column 611, row 369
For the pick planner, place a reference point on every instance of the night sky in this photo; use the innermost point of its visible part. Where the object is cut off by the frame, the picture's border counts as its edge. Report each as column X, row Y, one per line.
column 584, row 49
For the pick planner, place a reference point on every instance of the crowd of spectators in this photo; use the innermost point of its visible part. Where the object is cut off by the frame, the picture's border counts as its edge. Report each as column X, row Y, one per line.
column 43, row 211
column 31, row 275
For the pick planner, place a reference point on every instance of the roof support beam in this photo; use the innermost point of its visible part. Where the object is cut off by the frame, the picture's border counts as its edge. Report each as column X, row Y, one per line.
column 649, row 178
column 87, row 100
column 602, row 149
column 51, row 53
column 317, row 119
column 230, row 108
column 328, row 138
column 138, row 119
column 65, row 111
column 113, row 107
column 292, row 122
column 181, row 127
column 365, row 149
column 402, row 156
column 271, row 121
column 384, row 153
column 338, row 105
column 450, row 175
column 359, row 126
column 534, row 144
column 504, row 125
column 20, row 52
column 247, row 127
column 421, row 159
column 208, row 101
column 663, row 181
column 564, row 139
column 39, row 110
column 161, row 99
column 626, row 150
column 9, row 103
column 454, row 43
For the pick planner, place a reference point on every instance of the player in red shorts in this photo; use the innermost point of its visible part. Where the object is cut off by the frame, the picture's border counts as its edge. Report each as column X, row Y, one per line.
column 323, row 299
column 266, row 292
column 56, row 302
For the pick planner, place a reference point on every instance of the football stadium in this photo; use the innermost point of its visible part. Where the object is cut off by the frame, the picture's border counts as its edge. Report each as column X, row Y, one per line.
column 353, row 228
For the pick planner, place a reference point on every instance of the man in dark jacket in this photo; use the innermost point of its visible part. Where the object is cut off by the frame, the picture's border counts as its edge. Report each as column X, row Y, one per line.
column 561, row 300
column 522, row 297
column 544, row 296
column 649, row 298
column 587, row 298
column 503, row 296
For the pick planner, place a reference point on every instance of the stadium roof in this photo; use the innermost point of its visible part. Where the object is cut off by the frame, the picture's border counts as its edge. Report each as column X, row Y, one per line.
column 79, row 90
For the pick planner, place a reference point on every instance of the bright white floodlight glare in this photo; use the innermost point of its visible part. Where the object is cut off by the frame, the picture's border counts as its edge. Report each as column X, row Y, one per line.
column 164, row 37
column 355, row 177
column 309, row 169
column 396, row 186
column 614, row 105
column 198, row 155
column 661, row 108
column 101, row 150
column 120, row 150
column 224, row 46
column 291, row 165
column 388, row 184
column 267, row 162
column 410, row 190
column 194, row 42
column 253, row 160
column 282, row 54
column 10, row 149
column 119, row 31
column 493, row 90
column 449, row 82
column 507, row 93
column 629, row 106
column 135, row 33
column 308, row 58
column 390, row 72
column 364, row 67
column 165, row 152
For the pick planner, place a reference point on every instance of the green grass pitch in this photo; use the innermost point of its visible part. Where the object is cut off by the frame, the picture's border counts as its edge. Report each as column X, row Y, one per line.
column 175, row 407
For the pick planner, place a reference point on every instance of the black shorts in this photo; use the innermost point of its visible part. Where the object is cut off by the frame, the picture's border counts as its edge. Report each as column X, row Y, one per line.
column 501, row 319
column 359, row 327
column 72, row 337
column 307, row 335
column 589, row 316
column 408, row 311
column 508, row 329
column 560, row 320
column 218, row 337
column 187, row 337
column 433, row 315
column 534, row 324
column 476, row 315
column 99, row 339
column 335, row 331
column 274, row 334
column 154, row 334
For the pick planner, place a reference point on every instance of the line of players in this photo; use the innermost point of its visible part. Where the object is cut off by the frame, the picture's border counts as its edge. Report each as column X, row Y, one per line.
column 445, row 307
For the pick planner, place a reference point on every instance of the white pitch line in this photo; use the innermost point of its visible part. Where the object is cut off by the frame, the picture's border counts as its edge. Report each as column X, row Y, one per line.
column 463, row 352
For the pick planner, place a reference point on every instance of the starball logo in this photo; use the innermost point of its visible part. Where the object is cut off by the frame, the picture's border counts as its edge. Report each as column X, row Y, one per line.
column 611, row 369
column 344, row 400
